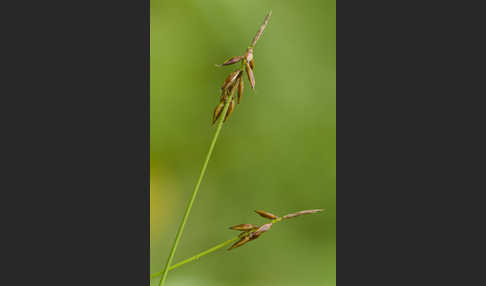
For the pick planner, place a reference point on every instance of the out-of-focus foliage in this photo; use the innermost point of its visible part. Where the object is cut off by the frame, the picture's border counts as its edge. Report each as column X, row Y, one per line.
column 277, row 151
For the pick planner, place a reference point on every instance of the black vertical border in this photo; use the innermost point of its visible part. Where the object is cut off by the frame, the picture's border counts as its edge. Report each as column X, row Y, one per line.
column 147, row 246
column 76, row 142
column 410, row 146
column 375, row 189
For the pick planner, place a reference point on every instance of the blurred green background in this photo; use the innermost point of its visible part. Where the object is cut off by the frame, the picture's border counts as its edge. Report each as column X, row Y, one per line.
column 276, row 152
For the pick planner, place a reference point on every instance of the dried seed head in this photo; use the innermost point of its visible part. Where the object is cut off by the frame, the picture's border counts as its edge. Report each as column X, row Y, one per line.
column 244, row 227
column 217, row 111
column 230, row 79
column 231, row 61
column 302, row 213
column 225, row 93
column 230, row 109
column 240, row 242
column 252, row 64
column 255, row 235
column 249, row 54
column 266, row 214
column 260, row 230
column 240, row 89
column 264, row 228
column 234, row 86
column 251, row 77
column 224, row 96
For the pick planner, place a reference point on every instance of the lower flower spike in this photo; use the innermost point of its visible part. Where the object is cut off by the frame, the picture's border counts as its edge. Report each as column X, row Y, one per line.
column 240, row 242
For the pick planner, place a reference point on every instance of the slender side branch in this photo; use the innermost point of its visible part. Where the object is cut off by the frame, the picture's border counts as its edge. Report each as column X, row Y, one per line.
column 197, row 256
column 189, row 205
column 248, row 230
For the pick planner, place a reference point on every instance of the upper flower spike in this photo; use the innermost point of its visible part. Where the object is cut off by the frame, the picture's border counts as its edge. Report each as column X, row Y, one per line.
column 234, row 81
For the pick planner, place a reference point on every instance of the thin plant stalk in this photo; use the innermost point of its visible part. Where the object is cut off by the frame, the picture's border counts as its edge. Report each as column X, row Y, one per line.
column 197, row 256
column 193, row 197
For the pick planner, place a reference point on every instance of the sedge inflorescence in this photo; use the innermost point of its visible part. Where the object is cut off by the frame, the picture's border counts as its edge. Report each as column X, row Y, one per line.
column 251, row 232
column 234, row 81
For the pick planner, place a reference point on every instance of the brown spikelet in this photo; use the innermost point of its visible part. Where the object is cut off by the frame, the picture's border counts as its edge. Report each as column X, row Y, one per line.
column 252, row 64
column 302, row 213
column 217, row 111
column 240, row 242
column 260, row 230
column 266, row 214
column 240, row 89
column 224, row 96
column 234, row 86
column 249, row 55
column 230, row 109
column 244, row 227
column 230, row 79
column 231, row 61
column 251, row 77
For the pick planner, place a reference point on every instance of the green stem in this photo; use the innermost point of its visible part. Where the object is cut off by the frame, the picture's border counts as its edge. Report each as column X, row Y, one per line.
column 197, row 256
column 189, row 205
